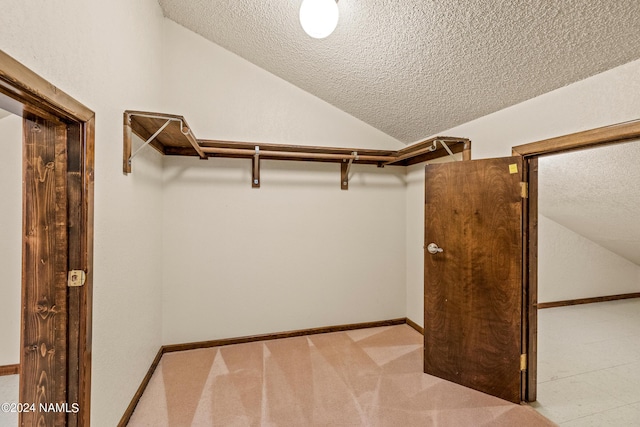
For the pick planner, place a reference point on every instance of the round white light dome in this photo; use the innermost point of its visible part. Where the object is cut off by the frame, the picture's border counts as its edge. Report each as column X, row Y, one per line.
column 319, row 17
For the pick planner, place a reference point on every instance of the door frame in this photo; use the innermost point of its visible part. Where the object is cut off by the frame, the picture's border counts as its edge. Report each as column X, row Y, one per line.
column 28, row 92
column 607, row 135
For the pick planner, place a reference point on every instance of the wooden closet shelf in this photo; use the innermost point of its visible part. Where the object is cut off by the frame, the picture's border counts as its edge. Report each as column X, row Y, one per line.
column 171, row 135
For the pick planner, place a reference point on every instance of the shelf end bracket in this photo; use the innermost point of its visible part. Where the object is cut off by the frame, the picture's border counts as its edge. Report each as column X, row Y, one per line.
column 345, row 167
column 255, row 168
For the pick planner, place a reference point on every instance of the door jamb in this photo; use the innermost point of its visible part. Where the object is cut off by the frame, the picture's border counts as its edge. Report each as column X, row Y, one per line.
column 28, row 91
column 613, row 134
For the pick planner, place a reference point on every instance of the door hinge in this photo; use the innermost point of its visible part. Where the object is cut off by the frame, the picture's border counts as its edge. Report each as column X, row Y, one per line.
column 523, row 362
column 524, row 190
column 76, row 278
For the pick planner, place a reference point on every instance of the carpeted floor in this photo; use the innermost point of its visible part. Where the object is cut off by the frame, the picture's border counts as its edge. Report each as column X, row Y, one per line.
column 366, row 377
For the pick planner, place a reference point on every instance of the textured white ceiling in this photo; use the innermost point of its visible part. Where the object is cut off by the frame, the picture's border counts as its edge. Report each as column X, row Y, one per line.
column 596, row 193
column 414, row 68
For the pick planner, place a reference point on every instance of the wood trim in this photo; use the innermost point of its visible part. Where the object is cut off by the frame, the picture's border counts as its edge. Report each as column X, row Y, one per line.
column 422, row 151
column 194, row 143
column 288, row 334
column 524, row 320
column 171, row 141
column 440, row 152
column 415, row 326
column 285, row 148
column 300, row 155
column 604, row 135
column 531, row 281
column 579, row 301
column 466, row 152
column 418, row 146
column 75, row 262
column 29, row 87
column 255, row 171
column 143, row 386
column 10, row 370
column 127, row 143
column 85, row 245
column 344, row 175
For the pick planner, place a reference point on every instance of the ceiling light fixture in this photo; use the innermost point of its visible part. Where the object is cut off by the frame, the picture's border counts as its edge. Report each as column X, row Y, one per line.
column 319, row 17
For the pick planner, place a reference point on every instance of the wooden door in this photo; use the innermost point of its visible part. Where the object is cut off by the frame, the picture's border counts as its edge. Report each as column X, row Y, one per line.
column 58, row 181
column 473, row 288
column 44, row 275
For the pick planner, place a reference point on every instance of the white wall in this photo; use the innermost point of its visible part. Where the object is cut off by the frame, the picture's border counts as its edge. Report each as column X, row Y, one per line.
column 107, row 55
column 571, row 266
column 10, row 238
column 225, row 97
column 296, row 253
column 607, row 98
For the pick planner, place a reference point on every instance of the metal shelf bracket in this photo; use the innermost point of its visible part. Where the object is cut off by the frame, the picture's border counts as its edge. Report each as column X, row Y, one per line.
column 148, row 141
column 255, row 167
column 128, row 131
column 446, row 147
column 345, row 168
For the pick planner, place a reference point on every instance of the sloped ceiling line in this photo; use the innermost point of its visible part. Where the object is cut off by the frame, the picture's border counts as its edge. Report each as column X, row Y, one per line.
column 415, row 68
column 595, row 193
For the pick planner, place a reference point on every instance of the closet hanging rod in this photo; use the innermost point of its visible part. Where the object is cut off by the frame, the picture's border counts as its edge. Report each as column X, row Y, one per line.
column 177, row 139
column 296, row 154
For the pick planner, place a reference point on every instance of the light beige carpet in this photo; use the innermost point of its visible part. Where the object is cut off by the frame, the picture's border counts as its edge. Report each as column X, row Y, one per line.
column 366, row 377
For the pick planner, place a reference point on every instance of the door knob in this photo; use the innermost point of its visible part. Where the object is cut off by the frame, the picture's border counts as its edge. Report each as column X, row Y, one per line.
column 433, row 248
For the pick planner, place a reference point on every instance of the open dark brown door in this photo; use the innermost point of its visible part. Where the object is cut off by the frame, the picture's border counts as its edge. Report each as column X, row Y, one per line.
column 473, row 287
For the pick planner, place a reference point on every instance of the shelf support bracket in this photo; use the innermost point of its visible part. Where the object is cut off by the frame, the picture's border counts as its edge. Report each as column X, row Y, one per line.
column 345, row 167
column 255, row 167
column 128, row 156
column 148, row 141
column 446, row 147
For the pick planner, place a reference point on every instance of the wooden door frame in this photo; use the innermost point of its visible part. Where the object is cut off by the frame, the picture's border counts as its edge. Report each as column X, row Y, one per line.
column 607, row 135
column 28, row 92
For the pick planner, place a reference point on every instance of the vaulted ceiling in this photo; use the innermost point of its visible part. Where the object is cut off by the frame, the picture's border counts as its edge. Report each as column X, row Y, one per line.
column 414, row 68
column 596, row 194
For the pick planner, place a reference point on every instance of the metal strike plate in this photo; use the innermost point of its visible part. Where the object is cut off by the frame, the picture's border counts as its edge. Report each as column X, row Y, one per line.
column 76, row 278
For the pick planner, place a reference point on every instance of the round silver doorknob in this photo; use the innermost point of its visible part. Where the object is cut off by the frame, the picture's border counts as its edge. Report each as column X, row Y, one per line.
column 433, row 248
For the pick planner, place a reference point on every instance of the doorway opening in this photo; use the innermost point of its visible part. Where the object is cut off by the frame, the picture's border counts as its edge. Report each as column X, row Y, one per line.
column 10, row 259
column 619, row 133
column 588, row 273
column 57, row 160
